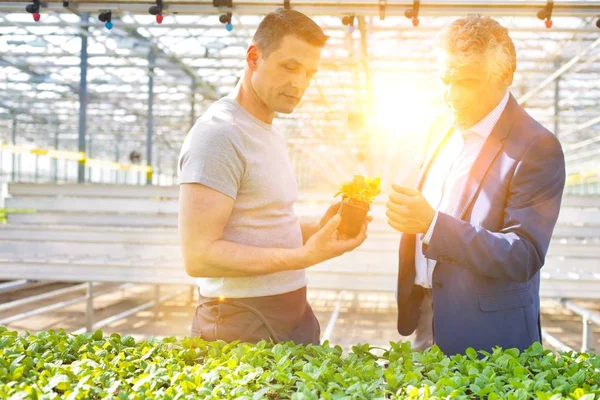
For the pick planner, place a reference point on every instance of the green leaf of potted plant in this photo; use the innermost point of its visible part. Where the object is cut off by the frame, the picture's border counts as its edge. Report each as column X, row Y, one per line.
column 357, row 197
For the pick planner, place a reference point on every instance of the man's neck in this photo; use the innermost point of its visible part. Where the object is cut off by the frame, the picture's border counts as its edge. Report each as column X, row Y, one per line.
column 246, row 97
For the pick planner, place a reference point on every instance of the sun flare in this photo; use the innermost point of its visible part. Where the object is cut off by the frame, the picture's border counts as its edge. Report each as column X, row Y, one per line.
column 404, row 107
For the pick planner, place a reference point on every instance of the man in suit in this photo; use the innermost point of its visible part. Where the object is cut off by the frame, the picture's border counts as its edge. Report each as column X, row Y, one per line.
column 476, row 230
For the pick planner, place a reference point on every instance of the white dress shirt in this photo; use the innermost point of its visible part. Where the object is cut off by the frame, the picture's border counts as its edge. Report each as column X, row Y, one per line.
column 447, row 176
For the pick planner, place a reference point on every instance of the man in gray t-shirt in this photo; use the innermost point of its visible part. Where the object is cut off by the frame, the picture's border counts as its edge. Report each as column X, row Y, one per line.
column 240, row 237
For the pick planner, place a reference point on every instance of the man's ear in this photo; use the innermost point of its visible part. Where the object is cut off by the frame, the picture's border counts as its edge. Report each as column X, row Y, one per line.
column 253, row 55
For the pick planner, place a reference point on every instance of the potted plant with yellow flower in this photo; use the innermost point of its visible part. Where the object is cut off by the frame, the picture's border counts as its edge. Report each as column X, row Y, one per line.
column 357, row 197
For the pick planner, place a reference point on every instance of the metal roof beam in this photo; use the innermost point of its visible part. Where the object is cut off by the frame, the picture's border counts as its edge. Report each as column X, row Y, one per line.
column 510, row 8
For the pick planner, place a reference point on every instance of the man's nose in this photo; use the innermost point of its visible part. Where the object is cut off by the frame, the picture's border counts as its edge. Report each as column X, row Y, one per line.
column 300, row 81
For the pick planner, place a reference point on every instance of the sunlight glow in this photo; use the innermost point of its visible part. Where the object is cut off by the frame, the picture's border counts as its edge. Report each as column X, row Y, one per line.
column 404, row 107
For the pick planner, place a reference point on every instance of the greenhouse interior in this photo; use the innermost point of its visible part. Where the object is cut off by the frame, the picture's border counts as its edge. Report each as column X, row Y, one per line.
column 96, row 100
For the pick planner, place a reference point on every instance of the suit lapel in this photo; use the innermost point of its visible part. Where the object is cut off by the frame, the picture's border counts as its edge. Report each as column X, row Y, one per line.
column 491, row 148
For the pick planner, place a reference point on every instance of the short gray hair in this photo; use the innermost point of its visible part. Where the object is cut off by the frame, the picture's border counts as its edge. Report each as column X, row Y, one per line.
column 480, row 39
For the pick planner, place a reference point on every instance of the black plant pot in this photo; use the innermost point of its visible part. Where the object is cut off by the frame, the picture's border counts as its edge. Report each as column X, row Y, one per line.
column 353, row 215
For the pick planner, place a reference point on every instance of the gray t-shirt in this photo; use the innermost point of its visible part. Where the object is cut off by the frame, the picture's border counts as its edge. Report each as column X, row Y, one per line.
column 231, row 151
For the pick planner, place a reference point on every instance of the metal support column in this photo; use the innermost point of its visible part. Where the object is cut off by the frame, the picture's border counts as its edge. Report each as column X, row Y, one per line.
column 36, row 171
column 587, row 338
column 175, row 169
column 117, row 157
column 89, row 155
column 83, row 97
column 14, row 156
column 151, row 61
column 156, row 301
column 157, row 164
column 89, row 313
column 54, row 160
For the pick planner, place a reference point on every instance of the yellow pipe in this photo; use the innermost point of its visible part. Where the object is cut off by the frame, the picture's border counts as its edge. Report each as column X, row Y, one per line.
column 76, row 156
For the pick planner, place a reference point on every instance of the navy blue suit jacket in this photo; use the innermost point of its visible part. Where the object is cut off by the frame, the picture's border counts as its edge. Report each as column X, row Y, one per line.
column 490, row 249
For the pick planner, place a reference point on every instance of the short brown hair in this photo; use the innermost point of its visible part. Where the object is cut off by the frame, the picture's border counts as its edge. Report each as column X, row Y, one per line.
column 481, row 38
column 282, row 22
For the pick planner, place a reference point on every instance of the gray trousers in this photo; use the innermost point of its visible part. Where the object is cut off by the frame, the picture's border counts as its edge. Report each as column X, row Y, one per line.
column 283, row 317
column 424, row 333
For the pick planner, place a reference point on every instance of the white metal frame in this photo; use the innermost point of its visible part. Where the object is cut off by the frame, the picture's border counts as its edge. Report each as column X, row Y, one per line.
column 332, row 7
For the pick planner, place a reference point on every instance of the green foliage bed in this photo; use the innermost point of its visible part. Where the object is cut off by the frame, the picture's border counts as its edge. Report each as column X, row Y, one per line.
column 57, row 365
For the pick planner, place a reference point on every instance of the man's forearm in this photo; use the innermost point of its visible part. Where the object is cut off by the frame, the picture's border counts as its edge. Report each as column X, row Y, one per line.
column 309, row 228
column 228, row 259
